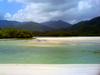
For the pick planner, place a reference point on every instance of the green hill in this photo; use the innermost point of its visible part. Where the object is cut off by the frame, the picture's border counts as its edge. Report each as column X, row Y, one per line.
column 32, row 26
column 6, row 23
column 56, row 24
column 84, row 28
column 94, row 21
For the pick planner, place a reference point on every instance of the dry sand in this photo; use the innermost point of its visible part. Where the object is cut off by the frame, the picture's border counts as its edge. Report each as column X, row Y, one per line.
column 49, row 69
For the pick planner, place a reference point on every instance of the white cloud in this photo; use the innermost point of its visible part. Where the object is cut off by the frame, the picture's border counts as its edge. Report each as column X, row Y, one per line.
column 34, row 12
column 83, row 5
column 68, row 10
column 10, row 0
column 8, row 16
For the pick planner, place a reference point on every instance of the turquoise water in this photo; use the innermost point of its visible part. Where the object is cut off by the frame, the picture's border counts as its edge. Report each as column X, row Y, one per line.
column 11, row 53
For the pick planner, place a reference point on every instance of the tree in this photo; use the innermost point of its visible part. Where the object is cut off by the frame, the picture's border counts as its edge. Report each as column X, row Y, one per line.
column 14, row 33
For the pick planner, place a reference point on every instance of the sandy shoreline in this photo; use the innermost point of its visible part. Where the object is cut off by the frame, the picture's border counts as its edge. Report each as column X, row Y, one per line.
column 49, row 69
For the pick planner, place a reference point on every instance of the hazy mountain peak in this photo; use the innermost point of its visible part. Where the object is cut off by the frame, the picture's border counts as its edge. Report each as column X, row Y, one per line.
column 60, row 21
column 56, row 24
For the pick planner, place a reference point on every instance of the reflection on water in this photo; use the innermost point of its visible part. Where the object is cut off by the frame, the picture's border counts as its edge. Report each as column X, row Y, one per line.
column 50, row 51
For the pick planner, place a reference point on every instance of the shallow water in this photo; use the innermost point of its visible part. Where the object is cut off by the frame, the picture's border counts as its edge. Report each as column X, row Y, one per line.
column 27, row 51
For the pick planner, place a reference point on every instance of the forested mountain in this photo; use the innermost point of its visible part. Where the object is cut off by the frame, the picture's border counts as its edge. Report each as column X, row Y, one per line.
column 84, row 28
column 32, row 26
column 94, row 21
column 56, row 24
column 6, row 23
column 9, row 22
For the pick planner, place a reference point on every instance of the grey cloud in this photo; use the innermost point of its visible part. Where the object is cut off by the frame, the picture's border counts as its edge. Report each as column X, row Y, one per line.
column 47, row 1
column 71, row 11
column 64, row 7
column 43, row 1
column 54, row 2
column 76, row 16
column 57, row 2
column 86, row 12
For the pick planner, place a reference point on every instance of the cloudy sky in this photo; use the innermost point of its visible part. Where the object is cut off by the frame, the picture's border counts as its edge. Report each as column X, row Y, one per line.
column 71, row 11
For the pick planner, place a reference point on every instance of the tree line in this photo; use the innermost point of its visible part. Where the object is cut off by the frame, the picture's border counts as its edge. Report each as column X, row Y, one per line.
column 93, row 30
column 14, row 33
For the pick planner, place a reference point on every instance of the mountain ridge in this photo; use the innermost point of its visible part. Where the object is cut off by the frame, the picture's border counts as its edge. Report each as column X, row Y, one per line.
column 33, row 26
column 94, row 21
column 56, row 24
column 83, row 28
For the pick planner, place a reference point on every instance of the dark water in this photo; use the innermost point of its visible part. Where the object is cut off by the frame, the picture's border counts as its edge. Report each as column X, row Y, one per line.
column 67, row 54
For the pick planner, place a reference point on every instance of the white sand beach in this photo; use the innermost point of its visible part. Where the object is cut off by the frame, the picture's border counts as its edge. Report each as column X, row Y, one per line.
column 49, row 69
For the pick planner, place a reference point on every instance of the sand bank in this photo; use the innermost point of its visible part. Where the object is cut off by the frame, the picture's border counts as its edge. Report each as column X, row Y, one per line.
column 49, row 69
column 52, row 41
column 58, row 41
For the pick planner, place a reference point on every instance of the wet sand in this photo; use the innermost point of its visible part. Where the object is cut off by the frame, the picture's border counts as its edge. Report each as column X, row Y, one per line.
column 53, row 41
column 49, row 69
column 59, row 41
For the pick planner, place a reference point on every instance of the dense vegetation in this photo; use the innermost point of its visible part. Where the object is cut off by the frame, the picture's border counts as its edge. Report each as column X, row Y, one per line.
column 83, row 31
column 14, row 33
column 83, row 28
